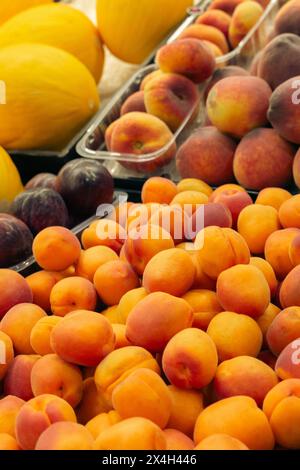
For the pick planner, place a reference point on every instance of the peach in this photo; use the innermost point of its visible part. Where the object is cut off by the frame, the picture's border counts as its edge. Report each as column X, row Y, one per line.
column 18, row 323
column 112, row 314
column 205, row 305
column 219, row 249
column 113, row 279
column 9, row 409
column 52, row 375
column 223, row 72
column 91, row 259
column 207, row 33
column 235, row 201
column 189, row 57
column 217, row 52
column 296, row 169
column 244, row 375
column 235, row 335
column 207, row 154
column 108, row 134
column 65, row 436
column 194, row 184
column 186, row 405
column 56, row 248
column 101, row 422
column 289, row 290
column 217, row 18
column 119, row 364
column 83, row 338
column 40, row 335
column 284, row 329
column 255, row 63
column 277, row 250
column 129, row 301
column 72, row 293
column 134, row 102
column 238, row 104
column 158, row 189
column 244, row 17
column 171, row 97
column 120, row 333
column 41, row 284
column 266, row 319
column 225, row 417
column 37, row 415
column 144, row 243
column 189, row 200
column 92, row 403
column 287, row 365
column 7, row 354
column 140, row 134
column 274, row 197
column 150, row 76
column 289, row 212
column 282, row 408
column 132, row 434
column 190, row 359
column 104, row 232
column 287, row 19
column 8, row 442
column 226, row 5
column 156, row 319
column 176, row 440
column 267, row 271
column 17, row 381
column 170, row 271
column 220, row 442
column 14, row 290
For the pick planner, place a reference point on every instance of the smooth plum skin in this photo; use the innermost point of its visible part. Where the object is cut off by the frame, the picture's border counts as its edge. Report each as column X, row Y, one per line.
column 42, row 180
column 40, row 208
column 84, row 185
column 15, row 241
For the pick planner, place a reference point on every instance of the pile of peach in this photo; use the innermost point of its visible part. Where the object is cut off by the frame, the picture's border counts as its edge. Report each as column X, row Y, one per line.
column 146, row 339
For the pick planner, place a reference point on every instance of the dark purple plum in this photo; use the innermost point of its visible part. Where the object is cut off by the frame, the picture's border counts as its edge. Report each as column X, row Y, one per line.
column 15, row 241
column 42, row 180
column 84, row 185
column 40, row 208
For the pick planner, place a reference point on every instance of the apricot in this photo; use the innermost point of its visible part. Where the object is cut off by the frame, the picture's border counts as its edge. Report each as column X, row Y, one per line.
column 221, row 442
column 243, row 289
column 287, row 364
column 174, row 220
column 267, row 271
column 101, row 422
column 289, row 291
column 141, row 214
column 206, row 32
column 17, row 381
column 104, row 232
column 189, row 200
column 41, row 284
column 266, row 319
column 235, row 335
column 40, row 335
column 129, row 301
column 296, row 169
column 7, row 353
column 217, row 18
column 90, row 260
column 158, row 189
column 10, row 406
column 112, row 314
column 289, row 212
column 277, row 251
column 186, row 405
column 65, row 436
column 8, row 442
column 224, row 416
column 134, row 102
column 235, row 201
column 14, row 290
column 56, row 248
column 274, row 197
column 205, row 306
column 244, row 18
column 72, row 293
column 294, row 251
column 284, row 329
column 194, row 184
column 176, row 440
column 92, row 403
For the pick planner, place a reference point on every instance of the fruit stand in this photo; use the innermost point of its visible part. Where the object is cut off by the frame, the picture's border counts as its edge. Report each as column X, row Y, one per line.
column 149, row 227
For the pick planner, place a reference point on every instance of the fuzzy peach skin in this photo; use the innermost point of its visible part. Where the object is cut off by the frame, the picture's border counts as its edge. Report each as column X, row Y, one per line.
column 282, row 408
column 37, row 415
column 286, row 20
column 83, row 338
column 102, row 422
column 226, row 5
column 235, row 335
column 287, row 364
column 92, row 403
column 186, row 405
column 41, row 284
column 143, row 393
column 244, row 17
column 132, row 434
column 134, row 102
column 40, row 334
column 274, row 197
column 170, row 271
column 223, row 72
column 171, row 97
column 8, row 350
column 176, row 440
column 104, row 232
column 158, row 189
column 18, row 323
column 10, row 406
column 224, row 416
column 56, row 248
column 190, row 359
column 17, row 381
column 65, row 436
column 217, row 18
column 156, row 319
column 205, row 306
column 14, row 290
column 119, row 364
column 72, row 293
column 238, row 104
column 244, row 375
column 189, row 57
column 284, row 329
column 205, row 32
column 150, row 76
column 266, row 319
column 243, row 289
column 220, row 442
column 277, row 251
column 92, row 258
column 267, row 271
column 289, row 290
column 129, row 301
column 139, row 134
column 235, row 201
column 8, row 442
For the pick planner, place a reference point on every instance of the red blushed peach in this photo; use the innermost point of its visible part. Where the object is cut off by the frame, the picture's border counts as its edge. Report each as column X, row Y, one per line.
column 277, row 251
column 183, row 359
column 176, row 440
column 225, row 5
column 217, row 18
column 9, row 409
column 235, row 201
column 150, row 76
column 188, row 57
column 140, row 134
column 221, row 442
column 93, row 402
column 244, row 375
column 7, row 352
column 37, row 415
column 210, row 214
column 108, row 134
column 236, row 105
column 289, row 290
column 8, row 442
column 65, row 436
column 207, row 33
column 171, row 97
column 267, row 271
column 18, row 378
column 205, row 306
column 134, row 103
column 159, row 190
column 220, row 73
column 72, row 293
column 217, row 52
column 156, row 319
column 273, row 197
column 287, row 365
column 15, row 290
column 40, row 335
column 284, row 329
column 244, row 18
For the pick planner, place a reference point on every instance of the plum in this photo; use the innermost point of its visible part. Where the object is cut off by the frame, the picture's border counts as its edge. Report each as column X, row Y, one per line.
column 15, row 241
column 40, row 208
column 84, row 185
column 42, row 180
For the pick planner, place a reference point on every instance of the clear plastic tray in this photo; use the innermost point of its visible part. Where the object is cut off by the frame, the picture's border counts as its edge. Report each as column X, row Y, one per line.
column 92, row 145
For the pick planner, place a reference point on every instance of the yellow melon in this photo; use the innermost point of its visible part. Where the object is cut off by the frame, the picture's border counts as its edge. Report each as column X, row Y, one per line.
column 131, row 29
column 50, row 95
column 59, row 26
column 10, row 181
column 9, row 8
